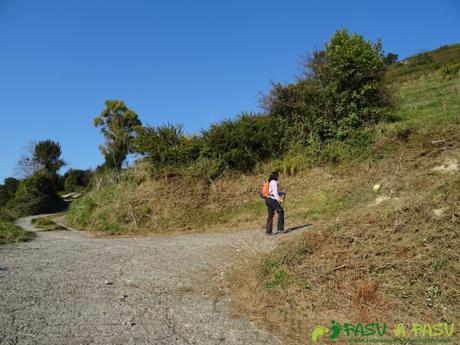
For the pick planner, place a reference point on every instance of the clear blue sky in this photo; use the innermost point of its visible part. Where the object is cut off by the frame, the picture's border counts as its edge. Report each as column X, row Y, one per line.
column 189, row 62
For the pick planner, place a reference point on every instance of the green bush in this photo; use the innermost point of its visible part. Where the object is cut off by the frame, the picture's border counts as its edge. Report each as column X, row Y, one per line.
column 243, row 142
column 75, row 179
column 8, row 190
column 420, row 59
column 450, row 71
column 5, row 216
column 341, row 92
column 292, row 163
column 390, row 59
column 167, row 145
column 35, row 195
column 205, row 168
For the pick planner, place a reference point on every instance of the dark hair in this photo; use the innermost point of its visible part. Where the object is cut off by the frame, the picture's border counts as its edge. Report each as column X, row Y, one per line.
column 274, row 176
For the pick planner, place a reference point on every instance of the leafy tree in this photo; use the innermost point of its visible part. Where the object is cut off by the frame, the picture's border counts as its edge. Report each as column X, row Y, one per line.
column 8, row 190
column 357, row 81
column 341, row 91
column 47, row 155
column 44, row 155
column 118, row 124
column 390, row 59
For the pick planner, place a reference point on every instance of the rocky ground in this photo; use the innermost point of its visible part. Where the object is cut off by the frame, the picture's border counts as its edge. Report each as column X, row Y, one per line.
column 69, row 287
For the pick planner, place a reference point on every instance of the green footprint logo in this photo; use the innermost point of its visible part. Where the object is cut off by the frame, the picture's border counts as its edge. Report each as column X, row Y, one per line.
column 336, row 328
column 318, row 331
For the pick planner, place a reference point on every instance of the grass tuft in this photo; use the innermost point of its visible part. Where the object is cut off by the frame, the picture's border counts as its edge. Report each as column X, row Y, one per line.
column 46, row 224
column 11, row 233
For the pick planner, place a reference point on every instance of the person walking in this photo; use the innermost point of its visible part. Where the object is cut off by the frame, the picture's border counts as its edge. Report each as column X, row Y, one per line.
column 273, row 202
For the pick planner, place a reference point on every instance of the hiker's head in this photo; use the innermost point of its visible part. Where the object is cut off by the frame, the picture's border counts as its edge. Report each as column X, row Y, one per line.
column 274, row 176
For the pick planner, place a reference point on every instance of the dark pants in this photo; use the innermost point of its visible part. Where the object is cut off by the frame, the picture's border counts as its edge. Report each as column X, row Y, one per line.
column 272, row 206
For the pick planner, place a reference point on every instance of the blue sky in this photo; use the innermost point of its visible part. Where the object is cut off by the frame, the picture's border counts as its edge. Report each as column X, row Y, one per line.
column 189, row 62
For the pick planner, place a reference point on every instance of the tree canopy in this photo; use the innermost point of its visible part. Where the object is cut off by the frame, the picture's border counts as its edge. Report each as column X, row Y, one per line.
column 118, row 124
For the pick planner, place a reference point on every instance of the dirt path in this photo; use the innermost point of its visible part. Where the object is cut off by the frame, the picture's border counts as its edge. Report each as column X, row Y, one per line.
column 67, row 287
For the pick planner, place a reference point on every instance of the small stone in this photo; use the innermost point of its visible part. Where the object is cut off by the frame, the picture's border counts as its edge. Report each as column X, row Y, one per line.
column 449, row 167
column 376, row 187
column 130, row 323
column 381, row 199
column 108, row 282
column 439, row 212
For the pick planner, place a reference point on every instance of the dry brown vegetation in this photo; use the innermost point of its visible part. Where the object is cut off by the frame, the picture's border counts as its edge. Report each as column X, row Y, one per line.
column 393, row 262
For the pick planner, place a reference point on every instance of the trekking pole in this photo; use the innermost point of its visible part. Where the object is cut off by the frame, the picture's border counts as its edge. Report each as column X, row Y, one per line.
column 284, row 198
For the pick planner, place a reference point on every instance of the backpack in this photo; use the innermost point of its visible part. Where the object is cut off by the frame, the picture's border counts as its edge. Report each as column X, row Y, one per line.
column 264, row 189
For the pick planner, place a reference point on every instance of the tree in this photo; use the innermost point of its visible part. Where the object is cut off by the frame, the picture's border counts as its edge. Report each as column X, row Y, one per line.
column 341, row 90
column 357, row 81
column 8, row 190
column 44, row 155
column 47, row 155
column 118, row 124
column 390, row 59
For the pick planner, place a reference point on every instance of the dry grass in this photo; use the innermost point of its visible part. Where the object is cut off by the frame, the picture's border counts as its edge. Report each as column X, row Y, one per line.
column 47, row 224
column 393, row 262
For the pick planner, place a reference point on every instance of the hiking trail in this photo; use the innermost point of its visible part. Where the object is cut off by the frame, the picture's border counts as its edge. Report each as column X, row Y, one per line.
column 70, row 287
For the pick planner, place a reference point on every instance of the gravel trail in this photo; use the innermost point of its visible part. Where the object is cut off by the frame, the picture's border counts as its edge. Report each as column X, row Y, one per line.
column 68, row 287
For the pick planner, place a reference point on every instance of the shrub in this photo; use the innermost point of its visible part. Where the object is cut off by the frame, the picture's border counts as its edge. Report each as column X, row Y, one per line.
column 35, row 195
column 390, row 59
column 357, row 81
column 205, row 168
column 243, row 142
column 297, row 107
column 8, row 190
column 420, row 59
column 167, row 145
column 342, row 91
column 450, row 71
column 292, row 163
column 75, row 179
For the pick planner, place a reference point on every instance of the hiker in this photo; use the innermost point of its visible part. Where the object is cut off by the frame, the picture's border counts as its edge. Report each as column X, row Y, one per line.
column 273, row 202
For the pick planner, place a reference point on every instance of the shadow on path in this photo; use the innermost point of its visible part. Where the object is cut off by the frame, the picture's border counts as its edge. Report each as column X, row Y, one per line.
column 294, row 228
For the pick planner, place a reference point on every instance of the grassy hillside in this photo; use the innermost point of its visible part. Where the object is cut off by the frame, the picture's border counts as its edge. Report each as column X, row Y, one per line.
column 389, row 255
column 444, row 59
column 135, row 201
